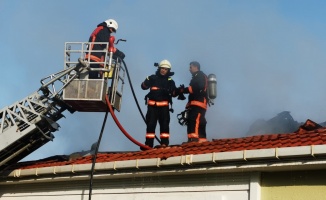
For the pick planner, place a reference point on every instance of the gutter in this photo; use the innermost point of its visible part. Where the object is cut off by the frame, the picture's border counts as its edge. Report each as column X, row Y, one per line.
column 224, row 163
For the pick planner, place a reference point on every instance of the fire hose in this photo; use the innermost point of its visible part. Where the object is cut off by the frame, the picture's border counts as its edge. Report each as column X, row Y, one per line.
column 121, row 128
column 100, row 137
column 134, row 95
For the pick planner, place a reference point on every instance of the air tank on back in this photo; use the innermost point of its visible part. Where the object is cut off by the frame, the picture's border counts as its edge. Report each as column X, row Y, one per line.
column 212, row 86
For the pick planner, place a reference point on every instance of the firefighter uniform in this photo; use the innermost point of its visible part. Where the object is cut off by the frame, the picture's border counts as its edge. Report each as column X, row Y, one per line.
column 197, row 106
column 162, row 89
column 102, row 34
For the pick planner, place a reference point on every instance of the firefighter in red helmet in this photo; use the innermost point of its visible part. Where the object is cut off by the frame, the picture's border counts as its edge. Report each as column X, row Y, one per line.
column 101, row 33
column 162, row 89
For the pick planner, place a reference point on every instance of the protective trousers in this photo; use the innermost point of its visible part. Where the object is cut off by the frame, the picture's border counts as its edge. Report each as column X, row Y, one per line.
column 95, row 74
column 196, row 127
column 162, row 115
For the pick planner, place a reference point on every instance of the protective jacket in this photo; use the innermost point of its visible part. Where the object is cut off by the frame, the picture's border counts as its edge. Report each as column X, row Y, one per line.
column 162, row 88
column 197, row 90
column 100, row 34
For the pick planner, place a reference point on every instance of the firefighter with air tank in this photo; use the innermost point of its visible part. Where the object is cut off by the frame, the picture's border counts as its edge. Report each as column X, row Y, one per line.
column 202, row 91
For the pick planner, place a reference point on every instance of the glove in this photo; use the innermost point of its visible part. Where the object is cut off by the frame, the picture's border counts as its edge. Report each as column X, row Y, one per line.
column 119, row 54
column 181, row 97
column 181, row 89
column 180, row 92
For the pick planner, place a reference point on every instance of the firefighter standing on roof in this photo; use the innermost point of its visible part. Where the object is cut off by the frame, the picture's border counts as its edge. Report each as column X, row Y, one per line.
column 197, row 104
column 162, row 89
column 102, row 33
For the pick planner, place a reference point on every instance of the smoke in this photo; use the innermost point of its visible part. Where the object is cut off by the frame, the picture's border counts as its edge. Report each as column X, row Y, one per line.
column 267, row 60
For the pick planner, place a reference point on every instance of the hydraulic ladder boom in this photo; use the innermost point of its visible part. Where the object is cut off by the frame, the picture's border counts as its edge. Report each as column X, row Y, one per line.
column 29, row 123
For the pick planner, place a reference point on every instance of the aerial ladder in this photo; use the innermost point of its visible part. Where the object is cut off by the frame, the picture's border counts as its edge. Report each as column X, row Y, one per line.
column 30, row 123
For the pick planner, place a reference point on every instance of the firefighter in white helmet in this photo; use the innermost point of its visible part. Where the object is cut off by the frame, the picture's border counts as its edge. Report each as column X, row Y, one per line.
column 102, row 33
column 162, row 89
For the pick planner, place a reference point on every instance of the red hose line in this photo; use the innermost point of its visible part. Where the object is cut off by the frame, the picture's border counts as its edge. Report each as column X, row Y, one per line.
column 122, row 129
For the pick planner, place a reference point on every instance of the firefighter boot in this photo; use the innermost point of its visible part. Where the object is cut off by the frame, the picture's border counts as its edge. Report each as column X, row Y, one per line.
column 149, row 142
column 164, row 142
column 191, row 140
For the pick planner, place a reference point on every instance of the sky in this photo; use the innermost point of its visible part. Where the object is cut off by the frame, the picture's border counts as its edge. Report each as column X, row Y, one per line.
column 268, row 57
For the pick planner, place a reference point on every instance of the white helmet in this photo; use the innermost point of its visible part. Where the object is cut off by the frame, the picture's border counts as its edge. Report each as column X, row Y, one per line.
column 165, row 64
column 111, row 23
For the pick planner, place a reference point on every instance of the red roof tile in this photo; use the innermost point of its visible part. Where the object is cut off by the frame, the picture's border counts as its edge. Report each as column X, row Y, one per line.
column 308, row 134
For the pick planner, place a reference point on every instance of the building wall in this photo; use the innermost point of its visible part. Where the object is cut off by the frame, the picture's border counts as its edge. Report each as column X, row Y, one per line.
column 296, row 185
column 227, row 186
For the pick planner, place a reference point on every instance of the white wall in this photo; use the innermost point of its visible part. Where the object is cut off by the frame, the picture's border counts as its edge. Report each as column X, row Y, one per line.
column 226, row 186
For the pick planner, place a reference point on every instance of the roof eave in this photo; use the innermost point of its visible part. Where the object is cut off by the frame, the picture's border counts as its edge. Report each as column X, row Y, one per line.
column 272, row 159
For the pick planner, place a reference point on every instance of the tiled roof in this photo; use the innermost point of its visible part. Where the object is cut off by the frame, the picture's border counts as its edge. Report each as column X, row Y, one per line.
column 308, row 134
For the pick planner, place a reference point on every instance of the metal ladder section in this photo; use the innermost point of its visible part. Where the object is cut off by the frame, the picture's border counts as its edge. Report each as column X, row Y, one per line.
column 27, row 125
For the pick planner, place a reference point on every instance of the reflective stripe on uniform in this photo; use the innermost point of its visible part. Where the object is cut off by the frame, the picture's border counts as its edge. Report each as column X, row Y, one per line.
column 196, row 133
column 94, row 34
column 198, row 103
column 193, row 135
column 164, row 135
column 150, row 135
column 158, row 103
column 155, row 88
column 202, row 140
column 190, row 90
column 197, row 124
